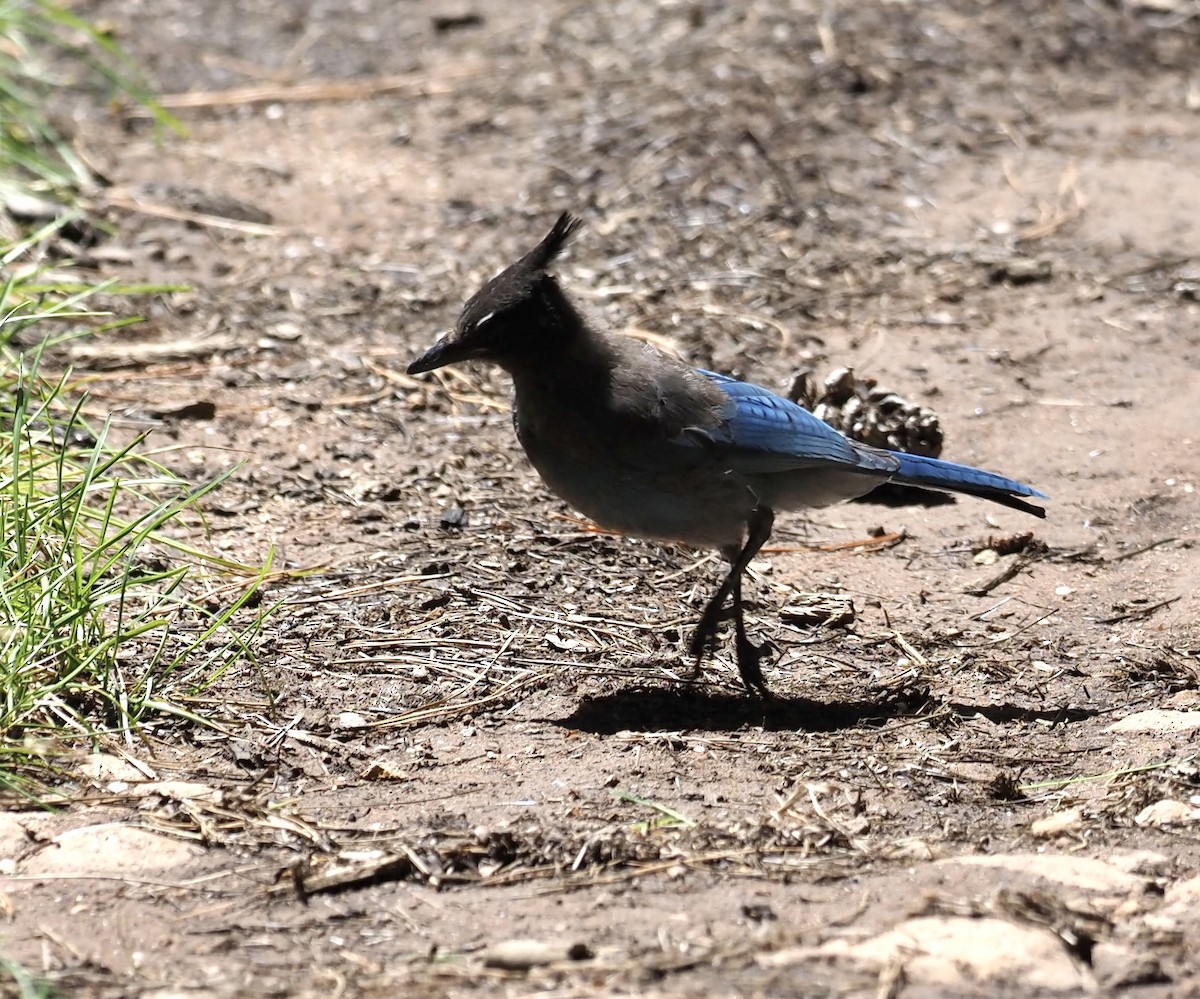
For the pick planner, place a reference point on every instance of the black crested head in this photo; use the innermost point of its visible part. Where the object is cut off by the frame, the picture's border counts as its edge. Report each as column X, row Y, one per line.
column 520, row 281
column 515, row 314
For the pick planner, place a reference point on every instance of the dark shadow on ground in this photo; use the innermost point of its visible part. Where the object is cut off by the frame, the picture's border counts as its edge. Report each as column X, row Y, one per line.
column 700, row 708
column 655, row 709
column 1007, row 713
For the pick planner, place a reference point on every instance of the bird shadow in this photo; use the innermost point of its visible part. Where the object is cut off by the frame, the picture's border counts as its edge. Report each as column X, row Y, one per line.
column 892, row 495
column 695, row 708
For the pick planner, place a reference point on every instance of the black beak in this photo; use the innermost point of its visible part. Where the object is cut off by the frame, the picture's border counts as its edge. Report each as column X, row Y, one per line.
column 446, row 351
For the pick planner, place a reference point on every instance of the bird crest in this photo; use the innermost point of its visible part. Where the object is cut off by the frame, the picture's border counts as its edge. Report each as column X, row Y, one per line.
column 518, row 282
column 553, row 243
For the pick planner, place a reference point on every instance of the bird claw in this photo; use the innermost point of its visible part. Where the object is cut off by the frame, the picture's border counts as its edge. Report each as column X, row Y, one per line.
column 749, row 656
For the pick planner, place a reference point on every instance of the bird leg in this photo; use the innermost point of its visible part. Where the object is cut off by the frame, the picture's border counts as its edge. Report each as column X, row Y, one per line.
column 749, row 655
column 759, row 525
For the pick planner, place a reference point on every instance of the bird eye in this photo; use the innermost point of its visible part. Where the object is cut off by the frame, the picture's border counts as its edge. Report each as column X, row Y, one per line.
column 483, row 320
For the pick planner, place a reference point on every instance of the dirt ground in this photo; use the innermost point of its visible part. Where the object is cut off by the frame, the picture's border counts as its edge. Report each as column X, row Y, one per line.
column 471, row 758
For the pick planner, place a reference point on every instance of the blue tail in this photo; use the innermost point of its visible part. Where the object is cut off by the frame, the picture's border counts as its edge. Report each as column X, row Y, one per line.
column 933, row 473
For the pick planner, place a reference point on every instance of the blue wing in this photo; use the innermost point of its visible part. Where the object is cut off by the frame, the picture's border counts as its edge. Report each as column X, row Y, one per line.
column 767, row 433
column 764, row 434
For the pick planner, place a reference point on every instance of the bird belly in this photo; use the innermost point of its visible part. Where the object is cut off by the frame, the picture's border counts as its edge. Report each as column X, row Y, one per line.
column 807, row 487
column 679, row 497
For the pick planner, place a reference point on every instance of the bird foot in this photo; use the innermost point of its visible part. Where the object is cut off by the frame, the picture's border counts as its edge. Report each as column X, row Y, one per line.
column 749, row 657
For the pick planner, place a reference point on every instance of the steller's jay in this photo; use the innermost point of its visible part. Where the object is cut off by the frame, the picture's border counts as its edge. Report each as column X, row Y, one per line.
column 645, row 445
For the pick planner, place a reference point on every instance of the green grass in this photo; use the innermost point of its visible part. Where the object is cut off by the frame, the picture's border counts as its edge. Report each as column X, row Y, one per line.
column 15, row 981
column 665, row 817
column 109, row 612
column 114, row 611
column 44, row 49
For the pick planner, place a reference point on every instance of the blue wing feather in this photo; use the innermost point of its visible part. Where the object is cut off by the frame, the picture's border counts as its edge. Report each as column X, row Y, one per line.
column 766, row 432
column 918, row 470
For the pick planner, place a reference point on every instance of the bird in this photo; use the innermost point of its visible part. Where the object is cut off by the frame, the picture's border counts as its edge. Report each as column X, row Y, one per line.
column 647, row 446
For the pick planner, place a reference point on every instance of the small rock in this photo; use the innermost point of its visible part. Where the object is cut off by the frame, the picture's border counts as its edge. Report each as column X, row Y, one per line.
column 387, row 770
column 958, row 954
column 1158, row 721
column 1167, row 812
column 521, row 955
column 1058, row 824
column 1082, row 873
column 454, row 518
